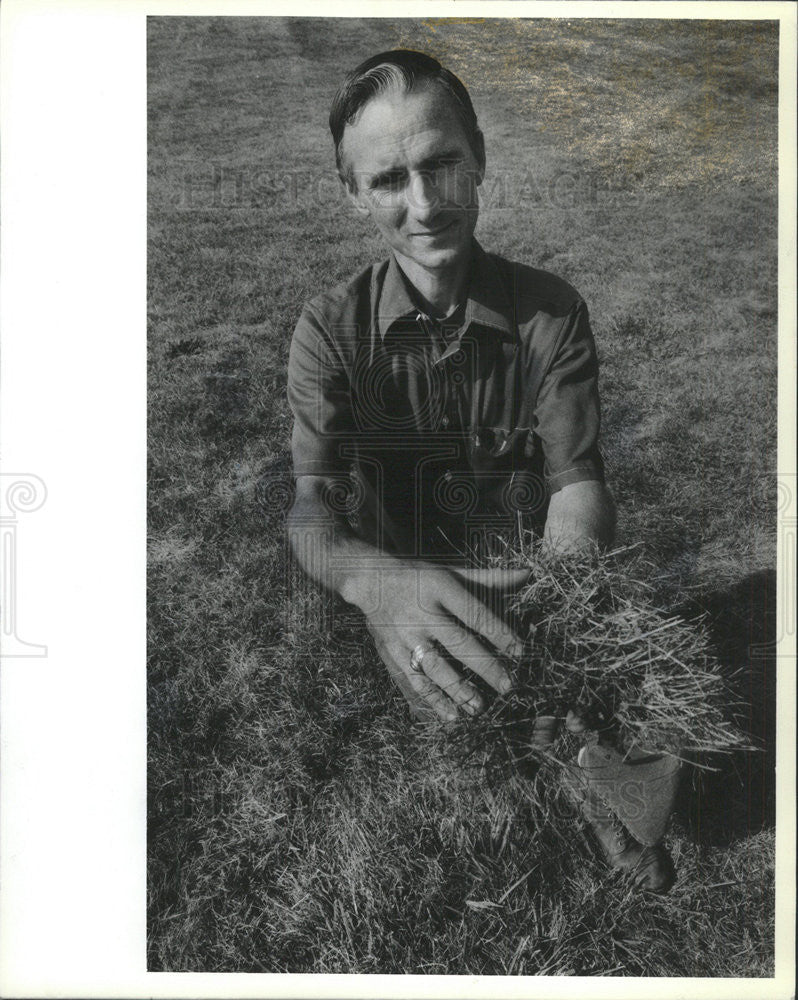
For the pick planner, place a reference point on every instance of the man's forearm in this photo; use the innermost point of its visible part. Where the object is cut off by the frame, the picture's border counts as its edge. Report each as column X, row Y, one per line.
column 580, row 516
column 330, row 553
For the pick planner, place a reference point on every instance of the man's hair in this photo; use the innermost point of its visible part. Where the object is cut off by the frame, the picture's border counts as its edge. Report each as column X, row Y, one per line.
column 401, row 68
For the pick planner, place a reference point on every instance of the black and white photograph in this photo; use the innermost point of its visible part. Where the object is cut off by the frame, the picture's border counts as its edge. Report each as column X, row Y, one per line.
column 398, row 502
column 461, row 495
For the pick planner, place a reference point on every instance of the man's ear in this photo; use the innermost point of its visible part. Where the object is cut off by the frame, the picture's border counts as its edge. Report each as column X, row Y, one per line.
column 479, row 152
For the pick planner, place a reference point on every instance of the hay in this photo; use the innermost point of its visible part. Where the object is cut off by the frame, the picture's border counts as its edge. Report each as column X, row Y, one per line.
column 641, row 677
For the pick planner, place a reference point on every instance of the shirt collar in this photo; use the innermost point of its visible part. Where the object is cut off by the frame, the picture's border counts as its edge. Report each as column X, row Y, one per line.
column 488, row 303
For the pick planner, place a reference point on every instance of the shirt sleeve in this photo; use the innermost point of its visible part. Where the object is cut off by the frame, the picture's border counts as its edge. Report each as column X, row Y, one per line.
column 567, row 413
column 319, row 395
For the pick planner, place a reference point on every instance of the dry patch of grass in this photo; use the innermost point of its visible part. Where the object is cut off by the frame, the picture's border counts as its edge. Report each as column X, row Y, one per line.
column 597, row 640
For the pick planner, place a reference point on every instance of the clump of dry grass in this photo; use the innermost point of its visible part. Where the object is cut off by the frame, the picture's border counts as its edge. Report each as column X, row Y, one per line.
column 599, row 644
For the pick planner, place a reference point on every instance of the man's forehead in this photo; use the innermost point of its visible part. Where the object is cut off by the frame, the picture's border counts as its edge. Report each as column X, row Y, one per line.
column 398, row 122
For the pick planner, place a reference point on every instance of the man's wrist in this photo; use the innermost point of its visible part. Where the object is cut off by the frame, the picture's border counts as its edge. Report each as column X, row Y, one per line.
column 360, row 585
column 352, row 586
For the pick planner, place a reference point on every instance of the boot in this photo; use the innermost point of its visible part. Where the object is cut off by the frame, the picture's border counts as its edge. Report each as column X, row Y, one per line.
column 649, row 865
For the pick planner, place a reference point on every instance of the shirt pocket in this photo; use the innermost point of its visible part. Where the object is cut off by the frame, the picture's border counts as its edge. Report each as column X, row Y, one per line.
column 493, row 447
column 506, row 467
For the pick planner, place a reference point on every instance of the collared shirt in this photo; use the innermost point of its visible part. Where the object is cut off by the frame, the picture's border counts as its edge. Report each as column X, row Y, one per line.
column 433, row 434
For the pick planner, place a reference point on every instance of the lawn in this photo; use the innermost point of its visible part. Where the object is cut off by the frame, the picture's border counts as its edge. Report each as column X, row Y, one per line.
column 297, row 821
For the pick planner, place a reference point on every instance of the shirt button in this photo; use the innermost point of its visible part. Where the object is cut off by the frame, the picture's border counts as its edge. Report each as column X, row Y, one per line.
column 447, row 475
column 445, row 422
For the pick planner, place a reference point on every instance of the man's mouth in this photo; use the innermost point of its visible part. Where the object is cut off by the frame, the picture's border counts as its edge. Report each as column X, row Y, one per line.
column 436, row 231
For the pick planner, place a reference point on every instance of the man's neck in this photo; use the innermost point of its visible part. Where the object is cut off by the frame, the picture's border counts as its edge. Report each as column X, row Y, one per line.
column 437, row 291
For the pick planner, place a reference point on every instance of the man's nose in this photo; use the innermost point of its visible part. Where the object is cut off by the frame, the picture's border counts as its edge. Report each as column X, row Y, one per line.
column 423, row 198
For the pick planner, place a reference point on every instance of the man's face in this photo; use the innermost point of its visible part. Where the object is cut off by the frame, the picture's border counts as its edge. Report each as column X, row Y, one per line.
column 415, row 173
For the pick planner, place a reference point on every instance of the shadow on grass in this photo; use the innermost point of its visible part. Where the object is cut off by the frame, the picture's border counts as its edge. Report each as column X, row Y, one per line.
column 722, row 806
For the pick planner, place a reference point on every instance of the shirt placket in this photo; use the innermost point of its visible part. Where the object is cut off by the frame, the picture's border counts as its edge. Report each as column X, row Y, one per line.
column 437, row 351
column 441, row 352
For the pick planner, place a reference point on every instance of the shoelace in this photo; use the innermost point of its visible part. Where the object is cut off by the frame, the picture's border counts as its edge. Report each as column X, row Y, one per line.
column 619, row 830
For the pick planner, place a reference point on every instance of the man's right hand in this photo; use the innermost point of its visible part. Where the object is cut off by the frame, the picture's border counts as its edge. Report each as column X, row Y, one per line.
column 446, row 613
column 452, row 614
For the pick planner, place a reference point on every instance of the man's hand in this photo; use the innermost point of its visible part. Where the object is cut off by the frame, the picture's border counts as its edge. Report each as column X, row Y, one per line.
column 447, row 614
column 454, row 615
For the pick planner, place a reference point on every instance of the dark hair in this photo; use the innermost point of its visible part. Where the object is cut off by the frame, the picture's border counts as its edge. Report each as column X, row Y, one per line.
column 403, row 68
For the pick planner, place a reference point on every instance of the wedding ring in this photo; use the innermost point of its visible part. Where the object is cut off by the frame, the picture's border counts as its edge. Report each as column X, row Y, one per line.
column 415, row 659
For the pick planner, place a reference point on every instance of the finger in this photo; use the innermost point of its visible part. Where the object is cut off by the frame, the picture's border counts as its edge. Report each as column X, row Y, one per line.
column 494, row 579
column 442, row 705
column 468, row 650
column 390, row 655
column 474, row 613
column 544, row 730
column 574, row 722
column 452, row 683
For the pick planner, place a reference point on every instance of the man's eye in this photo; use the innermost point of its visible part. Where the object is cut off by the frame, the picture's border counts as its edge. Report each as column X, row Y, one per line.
column 449, row 163
column 391, row 179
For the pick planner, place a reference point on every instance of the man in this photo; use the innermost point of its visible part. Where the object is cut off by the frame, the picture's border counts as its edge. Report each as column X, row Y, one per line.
column 441, row 399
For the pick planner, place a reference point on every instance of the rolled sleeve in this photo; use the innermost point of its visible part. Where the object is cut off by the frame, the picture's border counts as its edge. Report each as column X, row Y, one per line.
column 567, row 412
column 319, row 395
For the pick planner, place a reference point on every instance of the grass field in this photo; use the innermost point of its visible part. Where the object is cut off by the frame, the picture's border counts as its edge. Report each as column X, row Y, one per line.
column 298, row 822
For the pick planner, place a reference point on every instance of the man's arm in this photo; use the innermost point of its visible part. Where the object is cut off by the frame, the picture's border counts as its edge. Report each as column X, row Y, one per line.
column 581, row 510
column 408, row 603
column 581, row 516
